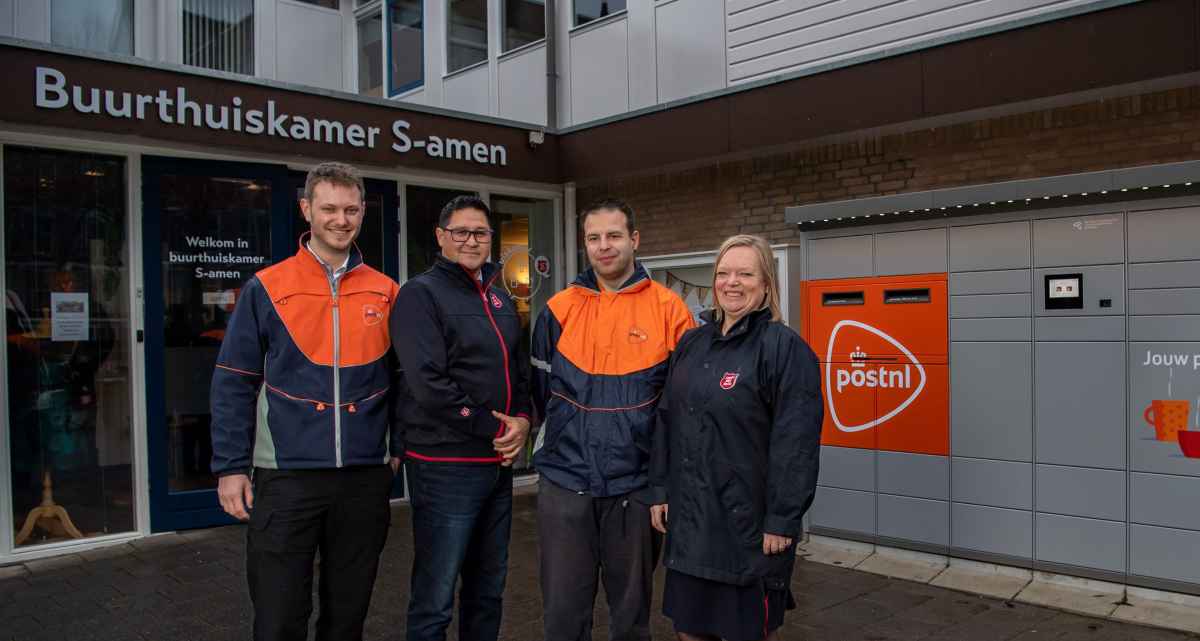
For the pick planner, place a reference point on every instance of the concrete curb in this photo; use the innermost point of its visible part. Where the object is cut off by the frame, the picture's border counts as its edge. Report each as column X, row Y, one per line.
column 1101, row 599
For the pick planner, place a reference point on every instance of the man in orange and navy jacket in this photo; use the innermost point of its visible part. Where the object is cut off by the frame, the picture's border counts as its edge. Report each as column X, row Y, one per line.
column 464, row 411
column 600, row 354
column 300, row 420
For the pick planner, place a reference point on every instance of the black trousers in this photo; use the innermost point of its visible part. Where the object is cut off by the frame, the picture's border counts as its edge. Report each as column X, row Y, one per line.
column 341, row 513
column 586, row 540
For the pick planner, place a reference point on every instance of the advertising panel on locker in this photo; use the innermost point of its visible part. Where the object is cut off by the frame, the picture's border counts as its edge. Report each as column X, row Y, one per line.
column 883, row 347
column 1164, row 406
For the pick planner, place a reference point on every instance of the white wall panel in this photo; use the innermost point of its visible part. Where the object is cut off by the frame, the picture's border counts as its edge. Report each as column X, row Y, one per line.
column 31, row 20
column 600, row 71
column 691, row 56
column 788, row 35
column 522, row 86
column 7, row 17
column 309, row 47
column 469, row 91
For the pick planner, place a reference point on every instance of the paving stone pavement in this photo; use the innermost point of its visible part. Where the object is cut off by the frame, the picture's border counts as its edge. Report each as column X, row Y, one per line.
column 191, row 587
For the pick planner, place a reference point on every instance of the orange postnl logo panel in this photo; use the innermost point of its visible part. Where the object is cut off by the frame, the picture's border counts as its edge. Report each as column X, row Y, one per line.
column 883, row 347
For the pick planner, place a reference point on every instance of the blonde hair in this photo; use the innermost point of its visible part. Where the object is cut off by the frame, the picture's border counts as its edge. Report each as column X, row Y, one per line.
column 766, row 266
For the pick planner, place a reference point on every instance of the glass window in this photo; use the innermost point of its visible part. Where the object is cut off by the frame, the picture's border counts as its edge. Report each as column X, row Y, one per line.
column 524, row 22
column 466, row 35
column 328, row 4
column 407, row 42
column 69, row 380
column 219, row 34
column 422, row 205
column 370, row 55
column 198, row 298
column 97, row 25
column 589, row 10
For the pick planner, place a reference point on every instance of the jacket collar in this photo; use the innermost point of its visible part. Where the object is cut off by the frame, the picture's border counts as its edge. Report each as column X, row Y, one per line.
column 311, row 263
column 458, row 273
column 638, row 281
column 743, row 325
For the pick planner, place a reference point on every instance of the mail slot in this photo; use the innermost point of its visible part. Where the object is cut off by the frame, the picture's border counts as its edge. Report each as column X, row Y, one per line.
column 884, row 349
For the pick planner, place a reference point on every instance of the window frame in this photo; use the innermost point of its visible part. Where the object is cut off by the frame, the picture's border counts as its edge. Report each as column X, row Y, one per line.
column 390, row 90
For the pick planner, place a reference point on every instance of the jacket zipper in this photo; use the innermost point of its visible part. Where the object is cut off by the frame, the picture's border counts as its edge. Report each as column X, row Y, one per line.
column 503, row 348
column 337, row 383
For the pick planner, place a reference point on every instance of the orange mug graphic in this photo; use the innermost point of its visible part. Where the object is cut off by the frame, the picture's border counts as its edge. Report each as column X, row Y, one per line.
column 1168, row 418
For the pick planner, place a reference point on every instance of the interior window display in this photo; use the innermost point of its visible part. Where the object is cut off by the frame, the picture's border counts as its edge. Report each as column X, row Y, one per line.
column 219, row 34
column 66, row 305
column 693, row 284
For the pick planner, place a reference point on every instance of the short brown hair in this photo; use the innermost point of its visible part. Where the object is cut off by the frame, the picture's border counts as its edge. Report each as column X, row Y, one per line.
column 766, row 263
column 610, row 204
column 337, row 173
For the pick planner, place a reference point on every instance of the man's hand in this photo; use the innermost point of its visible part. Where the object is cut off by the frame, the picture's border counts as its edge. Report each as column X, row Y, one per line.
column 395, row 462
column 658, row 517
column 237, row 495
column 516, row 430
column 774, row 544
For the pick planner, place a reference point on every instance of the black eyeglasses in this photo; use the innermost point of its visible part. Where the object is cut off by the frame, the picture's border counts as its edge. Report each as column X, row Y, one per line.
column 461, row 235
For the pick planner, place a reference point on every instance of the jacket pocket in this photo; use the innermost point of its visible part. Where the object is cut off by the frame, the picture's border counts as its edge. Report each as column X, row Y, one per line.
column 740, row 504
column 627, row 442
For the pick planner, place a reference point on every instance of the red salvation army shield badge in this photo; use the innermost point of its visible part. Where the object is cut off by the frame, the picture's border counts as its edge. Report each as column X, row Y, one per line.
column 464, row 412
column 729, row 380
column 496, row 300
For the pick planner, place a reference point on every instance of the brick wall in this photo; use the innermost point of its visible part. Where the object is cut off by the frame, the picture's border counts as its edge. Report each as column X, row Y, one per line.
column 695, row 209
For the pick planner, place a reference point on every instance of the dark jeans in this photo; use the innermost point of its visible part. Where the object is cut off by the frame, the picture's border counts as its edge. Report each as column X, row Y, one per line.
column 344, row 514
column 585, row 540
column 462, row 520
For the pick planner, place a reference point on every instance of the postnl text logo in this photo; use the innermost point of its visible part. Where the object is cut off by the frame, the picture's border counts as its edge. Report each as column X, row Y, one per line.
column 861, row 372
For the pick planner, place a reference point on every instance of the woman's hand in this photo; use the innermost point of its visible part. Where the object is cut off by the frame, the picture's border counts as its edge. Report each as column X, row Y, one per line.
column 658, row 517
column 774, row 544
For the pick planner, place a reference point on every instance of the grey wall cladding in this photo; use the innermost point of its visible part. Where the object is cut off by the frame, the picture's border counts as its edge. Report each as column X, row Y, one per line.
column 992, row 246
column 1164, row 500
column 1164, row 553
column 1080, row 404
column 911, row 252
column 1082, row 240
column 993, row 483
column 845, row 257
column 847, row 510
column 916, row 475
column 1165, row 234
column 992, row 529
column 1086, row 543
column 1081, row 491
column 912, row 519
column 991, row 400
column 847, row 468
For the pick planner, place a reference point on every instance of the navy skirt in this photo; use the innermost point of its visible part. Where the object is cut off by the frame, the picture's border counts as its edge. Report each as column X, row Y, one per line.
column 733, row 612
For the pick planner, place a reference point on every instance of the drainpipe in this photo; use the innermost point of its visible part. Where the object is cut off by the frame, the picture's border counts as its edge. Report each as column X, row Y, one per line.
column 551, row 65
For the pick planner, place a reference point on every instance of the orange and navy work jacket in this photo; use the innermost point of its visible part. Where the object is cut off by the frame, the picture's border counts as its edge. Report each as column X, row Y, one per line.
column 599, row 364
column 303, row 376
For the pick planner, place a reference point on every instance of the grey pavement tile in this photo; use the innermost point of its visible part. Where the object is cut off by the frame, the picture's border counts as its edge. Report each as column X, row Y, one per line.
column 8, row 572
column 948, row 610
column 900, row 629
column 109, row 552
column 40, row 566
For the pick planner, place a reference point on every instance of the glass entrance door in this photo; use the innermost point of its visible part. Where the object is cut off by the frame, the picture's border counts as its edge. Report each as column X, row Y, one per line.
column 66, row 302
column 207, row 228
column 524, row 247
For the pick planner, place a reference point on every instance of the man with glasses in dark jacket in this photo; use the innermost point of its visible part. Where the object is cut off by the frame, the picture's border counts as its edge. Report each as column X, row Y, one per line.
column 463, row 417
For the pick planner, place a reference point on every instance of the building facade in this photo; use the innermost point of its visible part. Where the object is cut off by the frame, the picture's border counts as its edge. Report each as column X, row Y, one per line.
column 982, row 214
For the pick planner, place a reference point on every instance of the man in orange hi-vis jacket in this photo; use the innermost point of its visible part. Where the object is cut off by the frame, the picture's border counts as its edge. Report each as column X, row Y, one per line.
column 600, row 351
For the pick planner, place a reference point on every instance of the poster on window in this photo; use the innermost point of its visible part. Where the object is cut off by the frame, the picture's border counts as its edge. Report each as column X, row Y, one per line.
column 68, row 316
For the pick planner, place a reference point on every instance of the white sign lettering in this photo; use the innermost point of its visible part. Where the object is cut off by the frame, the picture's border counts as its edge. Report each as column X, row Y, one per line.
column 53, row 92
